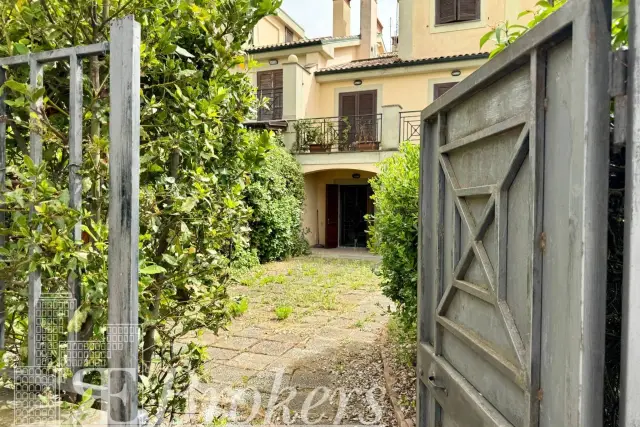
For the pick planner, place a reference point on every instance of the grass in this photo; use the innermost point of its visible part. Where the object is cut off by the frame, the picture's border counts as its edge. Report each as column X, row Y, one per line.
column 304, row 286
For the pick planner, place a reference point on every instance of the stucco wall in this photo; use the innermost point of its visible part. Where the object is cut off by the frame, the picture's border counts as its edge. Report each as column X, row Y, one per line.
column 315, row 212
column 411, row 91
column 420, row 37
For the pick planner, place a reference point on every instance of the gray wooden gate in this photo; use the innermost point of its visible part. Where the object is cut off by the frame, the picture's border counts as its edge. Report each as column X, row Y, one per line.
column 513, row 233
column 124, row 167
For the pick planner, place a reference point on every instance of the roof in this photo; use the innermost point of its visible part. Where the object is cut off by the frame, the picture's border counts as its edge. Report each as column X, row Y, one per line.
column 300, row 43
column 393, row 61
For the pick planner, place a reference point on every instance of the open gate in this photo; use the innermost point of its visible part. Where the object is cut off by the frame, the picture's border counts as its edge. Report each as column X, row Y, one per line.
column 513, row 242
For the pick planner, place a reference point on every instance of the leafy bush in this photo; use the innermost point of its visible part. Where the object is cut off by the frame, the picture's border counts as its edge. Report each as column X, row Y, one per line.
column 196, row 162
column 276, row 195
column 283, row 311
column 394, row 228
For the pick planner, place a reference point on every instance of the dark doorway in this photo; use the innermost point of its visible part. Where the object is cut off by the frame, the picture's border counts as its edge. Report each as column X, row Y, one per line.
column 354, row 206
column 333, row 216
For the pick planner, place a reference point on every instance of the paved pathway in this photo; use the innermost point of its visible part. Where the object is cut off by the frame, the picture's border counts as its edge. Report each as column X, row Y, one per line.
column 333, row 348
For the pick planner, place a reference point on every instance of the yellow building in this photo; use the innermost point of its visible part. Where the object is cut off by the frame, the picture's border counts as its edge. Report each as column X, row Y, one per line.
column 344, row 103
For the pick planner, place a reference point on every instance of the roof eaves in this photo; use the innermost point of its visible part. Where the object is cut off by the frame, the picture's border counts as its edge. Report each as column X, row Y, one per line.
column 301, row 43
column 400, row 64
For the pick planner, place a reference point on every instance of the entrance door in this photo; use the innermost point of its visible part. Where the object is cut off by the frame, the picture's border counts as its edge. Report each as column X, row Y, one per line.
column 358, row 114
column 354, row 206
column 333, row 216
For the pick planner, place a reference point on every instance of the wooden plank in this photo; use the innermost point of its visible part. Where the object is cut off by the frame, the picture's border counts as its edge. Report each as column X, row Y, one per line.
column 483, row 190
column 75, row 163
column 484, row 350
column 492, row 130
column 35, row 152
column 124, row 181
column 3, row 173
column 475, row 290
column 536, row 156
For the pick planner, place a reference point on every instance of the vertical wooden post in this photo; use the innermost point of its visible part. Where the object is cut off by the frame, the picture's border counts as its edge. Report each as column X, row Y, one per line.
column 75, row 162
column 3, row 170
column 124, row 181
column 35, row 152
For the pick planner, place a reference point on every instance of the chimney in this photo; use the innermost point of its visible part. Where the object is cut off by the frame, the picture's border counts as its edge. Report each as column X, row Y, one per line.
column 368, row 29
column 341, row 18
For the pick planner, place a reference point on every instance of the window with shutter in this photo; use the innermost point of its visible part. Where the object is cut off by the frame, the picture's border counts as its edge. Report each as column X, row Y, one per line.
column 270, row 86
column 440, row 89
column 359, row 110
column 450, row 11
column 288, row 35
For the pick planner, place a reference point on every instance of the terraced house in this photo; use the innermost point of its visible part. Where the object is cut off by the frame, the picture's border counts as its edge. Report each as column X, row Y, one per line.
column 345, row 102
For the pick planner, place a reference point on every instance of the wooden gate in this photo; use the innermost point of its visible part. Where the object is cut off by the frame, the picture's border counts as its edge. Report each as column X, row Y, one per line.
column 513, row 233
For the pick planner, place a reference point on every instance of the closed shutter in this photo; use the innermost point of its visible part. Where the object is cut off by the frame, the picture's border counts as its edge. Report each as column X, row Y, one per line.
column 347, row 113
column 366, row 122
column 288, row 35
column 441, row 88
column 468, row 10
column 270, row 86
column 446, row 11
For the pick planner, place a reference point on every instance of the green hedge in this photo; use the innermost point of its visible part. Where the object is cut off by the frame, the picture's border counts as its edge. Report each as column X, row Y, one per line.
column 394, row 229
column 276, row 195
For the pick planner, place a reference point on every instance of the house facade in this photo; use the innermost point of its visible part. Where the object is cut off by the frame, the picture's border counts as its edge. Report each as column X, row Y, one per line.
column 345, row 102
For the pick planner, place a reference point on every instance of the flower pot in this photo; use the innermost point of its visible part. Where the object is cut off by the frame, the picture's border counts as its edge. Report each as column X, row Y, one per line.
column 318, row 148
column 367, row 146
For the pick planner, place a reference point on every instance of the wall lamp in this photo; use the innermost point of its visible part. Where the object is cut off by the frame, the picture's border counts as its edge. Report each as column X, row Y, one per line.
column 456, row 73
column 357, row 82
column 273, row 62
column 355, row 176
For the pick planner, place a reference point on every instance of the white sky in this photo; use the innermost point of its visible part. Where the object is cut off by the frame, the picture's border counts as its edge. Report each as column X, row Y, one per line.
column 315, row 16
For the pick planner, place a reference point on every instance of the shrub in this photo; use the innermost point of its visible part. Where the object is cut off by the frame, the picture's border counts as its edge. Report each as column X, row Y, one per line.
column 394, row 229
column 283, row 312
column 276, row 195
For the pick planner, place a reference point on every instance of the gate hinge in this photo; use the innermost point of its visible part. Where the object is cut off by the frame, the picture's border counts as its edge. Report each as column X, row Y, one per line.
column 543, row 241
column 618, row 91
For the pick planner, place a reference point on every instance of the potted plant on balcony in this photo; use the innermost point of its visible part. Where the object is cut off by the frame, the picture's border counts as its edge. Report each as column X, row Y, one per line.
column 366, row 135
column 310, row 137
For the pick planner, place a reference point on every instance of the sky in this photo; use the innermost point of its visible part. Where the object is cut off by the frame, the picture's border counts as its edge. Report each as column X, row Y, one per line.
column 315, row 16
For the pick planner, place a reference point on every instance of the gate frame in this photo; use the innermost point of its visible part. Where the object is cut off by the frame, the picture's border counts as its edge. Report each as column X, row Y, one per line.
column 124, row 170
column 589, row 21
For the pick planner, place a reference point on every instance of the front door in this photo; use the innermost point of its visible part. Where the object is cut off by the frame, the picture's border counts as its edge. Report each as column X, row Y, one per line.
column 333, row 216
column 354, row 206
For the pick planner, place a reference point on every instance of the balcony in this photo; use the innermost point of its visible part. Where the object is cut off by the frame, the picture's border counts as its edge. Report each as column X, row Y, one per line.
column 410, row 126
column 272, row 109
column 338, row 134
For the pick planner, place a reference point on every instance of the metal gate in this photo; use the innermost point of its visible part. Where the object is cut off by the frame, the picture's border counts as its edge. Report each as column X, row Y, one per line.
column 124, row 170
column 513, row 241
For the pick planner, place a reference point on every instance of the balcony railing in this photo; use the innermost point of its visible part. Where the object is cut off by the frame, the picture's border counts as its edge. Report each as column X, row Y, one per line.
column 273, row 108
column 349, row 133
column 410, row 126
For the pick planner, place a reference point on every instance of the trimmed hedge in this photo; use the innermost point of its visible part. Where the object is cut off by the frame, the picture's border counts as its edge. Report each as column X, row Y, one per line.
column 394, row 229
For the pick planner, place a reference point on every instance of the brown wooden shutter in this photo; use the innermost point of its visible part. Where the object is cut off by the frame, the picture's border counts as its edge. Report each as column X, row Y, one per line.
column 332, row 217
column 288, row 35
column 270, row 86
column 348, row 111
column 265, row 80
column 440, row 89
column 446, row 11
column 366, row 103
column 468, row 10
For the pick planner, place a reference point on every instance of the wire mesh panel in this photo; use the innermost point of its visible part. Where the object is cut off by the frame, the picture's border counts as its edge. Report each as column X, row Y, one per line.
column 513, row 234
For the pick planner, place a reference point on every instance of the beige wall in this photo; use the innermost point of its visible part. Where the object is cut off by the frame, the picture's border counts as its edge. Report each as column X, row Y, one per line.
column 411, row 91
column 420, row 37
column 315, row 186
column 271, row 30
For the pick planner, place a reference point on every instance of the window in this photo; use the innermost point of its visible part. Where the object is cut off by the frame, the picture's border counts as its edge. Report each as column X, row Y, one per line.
column 358, row 115
column 440, row 89
column 270, row 86
column 288, row 35
column 449, row 11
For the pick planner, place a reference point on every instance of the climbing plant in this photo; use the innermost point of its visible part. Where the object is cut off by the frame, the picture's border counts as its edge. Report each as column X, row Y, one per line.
column 196, row 163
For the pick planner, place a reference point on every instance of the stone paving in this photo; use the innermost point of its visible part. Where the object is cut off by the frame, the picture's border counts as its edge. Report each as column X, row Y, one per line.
column 310, row 351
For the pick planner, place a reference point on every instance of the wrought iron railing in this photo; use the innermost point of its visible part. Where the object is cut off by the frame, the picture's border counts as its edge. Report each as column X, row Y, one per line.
column 272, row 110
column 410, row 126
column 348, row 133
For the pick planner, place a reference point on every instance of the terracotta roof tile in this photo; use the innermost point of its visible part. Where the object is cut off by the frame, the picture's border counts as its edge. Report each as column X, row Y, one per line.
column 392, row 61
column 299, row 43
